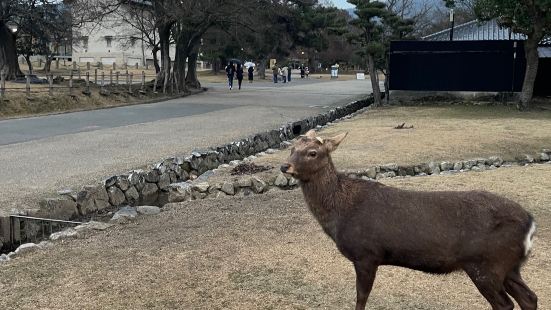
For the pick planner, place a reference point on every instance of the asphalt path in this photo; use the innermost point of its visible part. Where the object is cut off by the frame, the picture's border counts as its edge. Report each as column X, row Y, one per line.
column 40, row 155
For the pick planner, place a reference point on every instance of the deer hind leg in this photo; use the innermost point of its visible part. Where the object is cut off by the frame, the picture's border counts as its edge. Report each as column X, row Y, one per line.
column 490, row 285
column 365, row 276
column 515, row 286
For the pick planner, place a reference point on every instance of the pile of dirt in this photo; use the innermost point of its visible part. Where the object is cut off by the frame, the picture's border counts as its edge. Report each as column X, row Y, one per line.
column 249, row 168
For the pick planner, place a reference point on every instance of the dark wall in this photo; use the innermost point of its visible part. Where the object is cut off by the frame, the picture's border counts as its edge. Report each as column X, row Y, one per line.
column 457, row 65
column 542, row 87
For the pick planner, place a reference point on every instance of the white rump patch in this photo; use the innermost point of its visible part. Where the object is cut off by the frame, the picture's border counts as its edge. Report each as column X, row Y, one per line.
column 528, row 240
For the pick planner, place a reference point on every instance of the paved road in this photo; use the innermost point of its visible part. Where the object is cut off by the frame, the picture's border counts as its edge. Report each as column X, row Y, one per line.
column 43, row 154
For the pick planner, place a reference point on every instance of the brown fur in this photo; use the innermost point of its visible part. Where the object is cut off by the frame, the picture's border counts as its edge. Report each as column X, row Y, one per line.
column 436, row 232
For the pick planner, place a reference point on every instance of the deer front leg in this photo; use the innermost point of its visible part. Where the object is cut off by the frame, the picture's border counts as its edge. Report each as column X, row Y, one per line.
column 365, row 276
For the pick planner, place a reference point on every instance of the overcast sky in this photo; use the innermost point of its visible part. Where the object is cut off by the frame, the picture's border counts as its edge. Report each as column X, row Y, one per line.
column 342, row 4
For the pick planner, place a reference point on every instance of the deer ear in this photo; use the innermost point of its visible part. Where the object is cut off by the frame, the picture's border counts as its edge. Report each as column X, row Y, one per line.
column 332, row 143
column 311, row 134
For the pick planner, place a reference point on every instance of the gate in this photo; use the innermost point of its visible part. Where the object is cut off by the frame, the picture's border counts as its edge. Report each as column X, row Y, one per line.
column 25, row 229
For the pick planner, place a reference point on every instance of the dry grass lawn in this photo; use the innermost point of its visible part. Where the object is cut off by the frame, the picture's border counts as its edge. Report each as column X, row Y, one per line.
column 267, row 252
column 257, row 252
column 444, row 132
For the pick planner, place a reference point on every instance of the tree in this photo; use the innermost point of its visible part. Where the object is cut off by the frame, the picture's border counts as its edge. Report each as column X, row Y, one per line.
column 529, row 17
column 370, row 13
column 9, row 10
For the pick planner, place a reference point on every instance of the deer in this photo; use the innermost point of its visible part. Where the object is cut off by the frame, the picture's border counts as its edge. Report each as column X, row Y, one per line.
column 487, row 236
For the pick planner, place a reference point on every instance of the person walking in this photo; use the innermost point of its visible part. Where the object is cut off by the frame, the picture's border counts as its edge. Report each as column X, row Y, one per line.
column 307, row 71
column 230, row 71
column 239, row 74
column 302, row 72
column 251, row 73
column 284, row 74
column 275, row 72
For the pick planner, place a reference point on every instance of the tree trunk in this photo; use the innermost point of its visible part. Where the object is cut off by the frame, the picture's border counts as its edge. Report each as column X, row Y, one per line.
column 29, row 64
column 387, row 88
column 374, row 80
column 48, row 63
column 163, row 75
column 156, row 59
column 532, row 61
column 191, row 76
column 262, row 69
column 8, row 53
column 180, row 64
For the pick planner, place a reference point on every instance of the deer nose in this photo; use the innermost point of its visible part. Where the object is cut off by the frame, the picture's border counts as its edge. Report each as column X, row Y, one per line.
column 284, row 167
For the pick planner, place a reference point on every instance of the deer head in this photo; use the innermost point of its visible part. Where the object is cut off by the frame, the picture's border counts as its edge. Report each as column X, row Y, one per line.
column 310, row 154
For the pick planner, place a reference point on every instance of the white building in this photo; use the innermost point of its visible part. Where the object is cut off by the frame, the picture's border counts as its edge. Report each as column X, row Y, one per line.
column 112, row 41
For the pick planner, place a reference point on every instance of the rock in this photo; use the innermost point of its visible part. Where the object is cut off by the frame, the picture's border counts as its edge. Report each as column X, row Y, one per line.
column 93, row 225
column 11, row 255
column 149, row 194
column 116, row 196
column 228, row 188
column 132, row 195
column 285, row 144
column 63, row 208
column 124, row 214
column 122, row 182
column 136, row 176
column 223, row 166
column 446, row 165
column 235, row 162
column 4, row 258
column 261, row 154
column 281, row 180
column 258, row 185
column 92, row 198
column 495, row 161
column 110, row 181
column 389, row 167
column 177, row 192
column 270, row 151
column 45, row 244
column 371, row 172
column 207, row 174
column 544, row 157
column 152, row 176
column 197, row 195
column 525, row 159
column 434, row 168
column 476, row 169
column 244, row 182
column 64, row 234
column 26, row 248
column 293, row 181
column 482, row 166
column 164, row 181
column 250, row 158
column 201, row 187
column 148, row 210
column 492, row 167
column 68, row 193
column 458, row 166
column 468, row 164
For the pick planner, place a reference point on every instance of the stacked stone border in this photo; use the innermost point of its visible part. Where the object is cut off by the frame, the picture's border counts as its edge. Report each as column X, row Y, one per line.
column 154, row 185
column 246, row 185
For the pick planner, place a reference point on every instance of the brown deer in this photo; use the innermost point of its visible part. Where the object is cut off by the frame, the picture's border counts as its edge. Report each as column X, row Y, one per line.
column 487, row 236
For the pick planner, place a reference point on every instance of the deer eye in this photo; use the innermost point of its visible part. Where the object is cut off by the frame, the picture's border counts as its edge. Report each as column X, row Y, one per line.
column 312, row 154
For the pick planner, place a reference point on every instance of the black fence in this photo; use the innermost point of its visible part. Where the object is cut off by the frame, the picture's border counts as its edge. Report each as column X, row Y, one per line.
column 495, row 66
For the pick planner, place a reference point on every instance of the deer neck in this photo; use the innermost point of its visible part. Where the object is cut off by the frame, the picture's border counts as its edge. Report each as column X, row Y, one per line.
column 321, row 193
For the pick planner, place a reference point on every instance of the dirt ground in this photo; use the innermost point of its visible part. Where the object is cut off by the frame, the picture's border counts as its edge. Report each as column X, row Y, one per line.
column 447, row 132
column 256, row 252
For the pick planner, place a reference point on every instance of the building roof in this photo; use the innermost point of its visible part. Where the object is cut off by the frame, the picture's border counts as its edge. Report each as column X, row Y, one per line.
column 476, row 30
